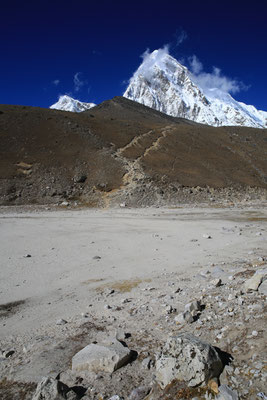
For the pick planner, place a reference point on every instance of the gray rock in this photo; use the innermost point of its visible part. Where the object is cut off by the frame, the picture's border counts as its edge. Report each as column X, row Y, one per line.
column 183, row 318
column 187, row 358
column 6, row 353
column 139, row 393
column 61, row 322
column 206, row 236
column 225, row 393
column 71, row 395
column 80, row 178
column 254, row 282
column 193, row 306
column 120, row 335
column 169, row 309
column 261, row 395
column 216, row 282
column 97, row 358
column 146, row 363
column 50, row 389
column 263, row 288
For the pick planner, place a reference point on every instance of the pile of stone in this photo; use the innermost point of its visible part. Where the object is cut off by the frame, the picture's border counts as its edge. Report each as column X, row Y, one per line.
column 184, row 358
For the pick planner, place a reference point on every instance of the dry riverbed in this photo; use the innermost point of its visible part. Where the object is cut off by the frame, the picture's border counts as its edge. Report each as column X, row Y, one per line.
column 70, row 278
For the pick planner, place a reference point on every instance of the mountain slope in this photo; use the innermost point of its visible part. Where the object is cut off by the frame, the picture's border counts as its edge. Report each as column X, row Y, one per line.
column 67, row 103
column 122, row 151
column 162, row 83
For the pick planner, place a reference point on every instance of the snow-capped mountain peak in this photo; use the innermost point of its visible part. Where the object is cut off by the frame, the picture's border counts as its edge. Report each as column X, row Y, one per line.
column 164, row 84
column 67, row 103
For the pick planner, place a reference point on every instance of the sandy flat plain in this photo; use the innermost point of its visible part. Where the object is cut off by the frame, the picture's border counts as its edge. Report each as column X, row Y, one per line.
column 72, row 252
column 132, row 270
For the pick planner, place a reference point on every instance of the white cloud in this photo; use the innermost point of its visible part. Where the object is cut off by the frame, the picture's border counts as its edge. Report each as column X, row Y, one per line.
column 149, row 59
column 214, row 79
column 205, row 80
column 56, row 82
column 195, row 64
column 78, row 81
column 180, row 36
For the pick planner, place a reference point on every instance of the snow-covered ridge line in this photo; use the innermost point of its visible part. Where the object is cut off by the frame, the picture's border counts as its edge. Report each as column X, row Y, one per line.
column 67, row 103
column 162, row 83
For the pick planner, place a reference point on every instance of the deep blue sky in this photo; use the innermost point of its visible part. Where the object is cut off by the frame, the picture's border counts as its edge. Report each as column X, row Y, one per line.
column 44, row 41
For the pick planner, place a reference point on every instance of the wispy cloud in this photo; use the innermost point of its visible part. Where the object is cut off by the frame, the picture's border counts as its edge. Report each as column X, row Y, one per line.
column 207, row 81
column 180, row 36
column 195, row 65
column 78, row 81
column 214, row 79
column 56, row 82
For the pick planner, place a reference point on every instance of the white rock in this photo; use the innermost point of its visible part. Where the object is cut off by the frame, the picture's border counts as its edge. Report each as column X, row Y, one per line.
column 139, row 393
column 225, row 393
column 184, row 317
column 50, row 389
column 263, row 288
column 6, row 353
column 61, row 322
column 216, row 282
column 206, row 236
column 146, row 363
column 120, row 335
column 97, row 358
column 27, row 256
column 187, row 358
column 193, row 306
column 254, row 282
column 261, row 395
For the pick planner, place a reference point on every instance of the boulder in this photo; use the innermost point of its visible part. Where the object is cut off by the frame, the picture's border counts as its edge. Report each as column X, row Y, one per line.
column 254, row 282
column 187, row 358
column 50, row 389
column 97, row 358
column 225, row 393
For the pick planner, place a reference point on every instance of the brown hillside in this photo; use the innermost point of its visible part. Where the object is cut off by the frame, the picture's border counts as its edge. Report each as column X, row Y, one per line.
column 121, row 150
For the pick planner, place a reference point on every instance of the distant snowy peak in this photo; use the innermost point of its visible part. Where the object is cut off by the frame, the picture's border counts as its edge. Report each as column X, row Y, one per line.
column 67, row 103
column 164, row 84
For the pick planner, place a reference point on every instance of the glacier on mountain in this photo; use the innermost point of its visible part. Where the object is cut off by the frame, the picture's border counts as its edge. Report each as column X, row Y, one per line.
column 67, row 103
column 164, row 84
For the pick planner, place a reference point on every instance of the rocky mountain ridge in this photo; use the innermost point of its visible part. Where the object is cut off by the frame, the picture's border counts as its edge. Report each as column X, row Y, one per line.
column 164, row 84
column 67, row 103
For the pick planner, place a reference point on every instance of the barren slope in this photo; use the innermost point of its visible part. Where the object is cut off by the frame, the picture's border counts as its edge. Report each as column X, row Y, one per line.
column 122, row 151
